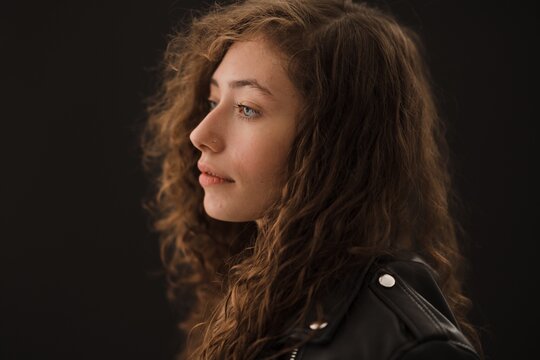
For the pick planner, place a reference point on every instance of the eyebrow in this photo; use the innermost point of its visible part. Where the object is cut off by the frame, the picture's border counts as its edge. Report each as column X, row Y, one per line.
column 252, row 83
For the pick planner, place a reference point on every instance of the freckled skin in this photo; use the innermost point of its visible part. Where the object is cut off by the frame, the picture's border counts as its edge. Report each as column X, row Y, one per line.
column 251, row 151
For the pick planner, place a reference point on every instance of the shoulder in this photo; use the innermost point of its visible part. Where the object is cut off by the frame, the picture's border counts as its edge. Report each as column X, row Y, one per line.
column 407, row 289
column 393, row 309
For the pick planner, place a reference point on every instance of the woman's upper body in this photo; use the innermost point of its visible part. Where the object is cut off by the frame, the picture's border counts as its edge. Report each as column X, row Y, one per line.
column 293, row 140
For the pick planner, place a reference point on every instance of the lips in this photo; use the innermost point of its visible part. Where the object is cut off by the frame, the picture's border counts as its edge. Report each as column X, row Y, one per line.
column 209, row 175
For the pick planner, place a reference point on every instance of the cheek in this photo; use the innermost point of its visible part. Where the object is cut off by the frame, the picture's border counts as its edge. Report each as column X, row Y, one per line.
column 262, row 160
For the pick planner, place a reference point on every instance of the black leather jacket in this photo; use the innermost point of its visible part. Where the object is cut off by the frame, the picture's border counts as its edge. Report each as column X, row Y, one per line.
column 393, row 309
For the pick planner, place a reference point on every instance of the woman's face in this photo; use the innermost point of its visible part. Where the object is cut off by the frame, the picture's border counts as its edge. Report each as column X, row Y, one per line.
column 245, row 138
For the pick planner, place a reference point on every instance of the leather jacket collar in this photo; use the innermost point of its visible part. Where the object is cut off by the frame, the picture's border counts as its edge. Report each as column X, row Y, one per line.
column 392, row 308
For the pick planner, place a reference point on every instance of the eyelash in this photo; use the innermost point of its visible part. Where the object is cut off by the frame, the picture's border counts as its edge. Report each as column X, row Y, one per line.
column 240, row 107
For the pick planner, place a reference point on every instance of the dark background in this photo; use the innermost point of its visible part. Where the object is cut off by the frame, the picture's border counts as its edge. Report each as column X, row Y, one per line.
column 78, row 264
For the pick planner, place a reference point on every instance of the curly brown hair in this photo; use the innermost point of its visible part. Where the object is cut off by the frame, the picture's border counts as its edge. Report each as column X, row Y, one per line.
column 367, row 173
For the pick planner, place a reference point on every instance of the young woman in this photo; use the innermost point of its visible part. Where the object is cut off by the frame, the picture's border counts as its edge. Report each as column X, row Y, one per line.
column 302, row 189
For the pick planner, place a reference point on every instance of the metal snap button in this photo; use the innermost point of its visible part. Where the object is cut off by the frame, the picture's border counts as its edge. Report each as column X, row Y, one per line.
column 387, row 280
column 318, row 325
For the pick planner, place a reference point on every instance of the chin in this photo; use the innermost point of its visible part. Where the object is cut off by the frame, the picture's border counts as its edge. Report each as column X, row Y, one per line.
column 224, row 214
column 234, row 210
column 224, row 217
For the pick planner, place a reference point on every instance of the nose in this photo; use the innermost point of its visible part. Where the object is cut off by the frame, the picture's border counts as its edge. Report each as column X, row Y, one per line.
column 207, row 135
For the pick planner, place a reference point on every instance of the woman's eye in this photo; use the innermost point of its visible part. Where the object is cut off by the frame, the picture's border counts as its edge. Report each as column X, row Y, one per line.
column 247, row 112
column 243, row 111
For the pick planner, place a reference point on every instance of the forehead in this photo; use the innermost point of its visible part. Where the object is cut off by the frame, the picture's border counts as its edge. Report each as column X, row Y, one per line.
column 258, row 60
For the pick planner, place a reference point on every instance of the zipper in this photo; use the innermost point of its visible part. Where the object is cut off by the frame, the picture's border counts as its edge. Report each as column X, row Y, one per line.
column 293, row 354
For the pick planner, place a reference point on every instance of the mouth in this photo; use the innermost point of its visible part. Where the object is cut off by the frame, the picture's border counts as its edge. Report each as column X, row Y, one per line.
column 206, row 179
column 209, row 176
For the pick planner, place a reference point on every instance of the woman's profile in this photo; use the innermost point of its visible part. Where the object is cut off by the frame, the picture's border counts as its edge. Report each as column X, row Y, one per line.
column 302, row 190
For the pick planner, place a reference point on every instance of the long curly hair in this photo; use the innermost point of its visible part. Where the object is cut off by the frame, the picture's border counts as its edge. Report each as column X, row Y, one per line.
column 367, row 173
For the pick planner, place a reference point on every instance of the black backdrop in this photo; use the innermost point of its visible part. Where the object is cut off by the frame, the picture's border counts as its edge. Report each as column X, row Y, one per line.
column 78, row 262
